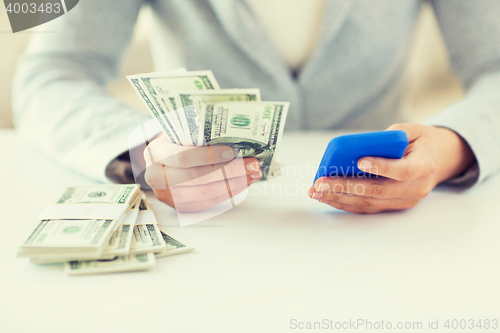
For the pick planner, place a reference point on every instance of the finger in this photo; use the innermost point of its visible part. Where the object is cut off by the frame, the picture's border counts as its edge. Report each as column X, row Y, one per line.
column 189, row 207
column 176, row 156
column 155, row 177
column 188, row 157
column 208, row 174
column 183, row 194
column 371, row 187
column 347, row 208
column 159, row 176
column 311, row 192
column 368, row 203
column 357, row 209
column 410, row 167
column 383, row 188
column 158, row 148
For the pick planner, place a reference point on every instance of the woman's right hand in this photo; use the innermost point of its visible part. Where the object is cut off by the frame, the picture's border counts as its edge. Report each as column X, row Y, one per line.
column 191, row 179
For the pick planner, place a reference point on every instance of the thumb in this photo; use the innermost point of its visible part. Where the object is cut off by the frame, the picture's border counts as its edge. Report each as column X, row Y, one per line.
column 410, row 167
column 413, row 131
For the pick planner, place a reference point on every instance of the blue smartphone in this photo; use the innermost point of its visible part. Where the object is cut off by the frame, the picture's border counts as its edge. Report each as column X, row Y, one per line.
column 343, row 152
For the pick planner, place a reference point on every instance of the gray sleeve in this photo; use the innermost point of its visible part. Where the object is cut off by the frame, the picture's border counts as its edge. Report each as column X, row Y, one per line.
column 60, row 100
column 471, row 30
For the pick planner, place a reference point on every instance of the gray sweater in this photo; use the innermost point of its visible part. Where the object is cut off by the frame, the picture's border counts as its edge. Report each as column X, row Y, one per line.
column 352, row 80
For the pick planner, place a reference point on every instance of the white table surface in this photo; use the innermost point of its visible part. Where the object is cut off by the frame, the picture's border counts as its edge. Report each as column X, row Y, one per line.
column 255, row 268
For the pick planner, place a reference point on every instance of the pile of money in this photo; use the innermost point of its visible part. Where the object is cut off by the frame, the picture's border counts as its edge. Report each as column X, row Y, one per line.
column 100, row 229
column 192, row 110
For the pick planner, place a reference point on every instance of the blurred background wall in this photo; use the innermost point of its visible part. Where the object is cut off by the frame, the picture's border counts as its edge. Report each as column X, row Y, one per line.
column 430, row 86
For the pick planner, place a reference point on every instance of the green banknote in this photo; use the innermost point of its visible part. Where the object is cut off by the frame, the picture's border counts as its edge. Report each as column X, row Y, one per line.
column 253, row 129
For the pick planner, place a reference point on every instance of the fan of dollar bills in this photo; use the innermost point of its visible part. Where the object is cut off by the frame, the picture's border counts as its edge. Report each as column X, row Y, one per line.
column 100, row 229
column 192, row 110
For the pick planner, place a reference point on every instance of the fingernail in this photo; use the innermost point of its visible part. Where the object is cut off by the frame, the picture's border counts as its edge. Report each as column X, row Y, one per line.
column 317, row 195
column 256, row 176
column 365, row 165
column 323, row 187
column 253, row 167
column 228, row 154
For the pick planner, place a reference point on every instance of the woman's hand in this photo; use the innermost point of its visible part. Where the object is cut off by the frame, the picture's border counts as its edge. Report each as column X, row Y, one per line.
column 433, row 155
column 195, row 178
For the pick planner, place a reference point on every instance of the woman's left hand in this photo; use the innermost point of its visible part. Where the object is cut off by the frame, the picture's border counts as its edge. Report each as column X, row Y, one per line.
column 434, row 154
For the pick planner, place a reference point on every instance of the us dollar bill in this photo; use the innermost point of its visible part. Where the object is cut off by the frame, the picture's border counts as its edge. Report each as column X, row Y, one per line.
column 135, row 81
column 159, row 117
column 105, row 194
column 144, row 204
column 121, row 240
column 149, row 87
column 134, row 262
column 147, row 238
column 253, row 129
column 173, row 246
column 195, row 80
column 67, row 238
column 147, row 235
column 188, row 102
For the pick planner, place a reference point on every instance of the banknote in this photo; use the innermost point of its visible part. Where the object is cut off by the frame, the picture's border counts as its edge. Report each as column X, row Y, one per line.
column 135, row 81
column 188, row 102
column 134, row 262
column 121, row 240
column 147, row 234
column 195, row 80
column 253, row 129
column 150, row 87
column 111, row 194
column 156, row 86
column 165, row 124
column 173, row 246
column 128, row 242
column 81, row 238
column 69, row 229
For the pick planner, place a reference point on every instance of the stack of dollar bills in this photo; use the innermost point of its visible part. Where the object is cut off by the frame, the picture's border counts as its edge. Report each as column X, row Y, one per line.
column 100, row 229
column 192, row 110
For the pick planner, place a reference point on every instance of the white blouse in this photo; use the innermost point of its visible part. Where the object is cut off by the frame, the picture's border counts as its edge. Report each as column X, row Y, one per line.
column 293, row 25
